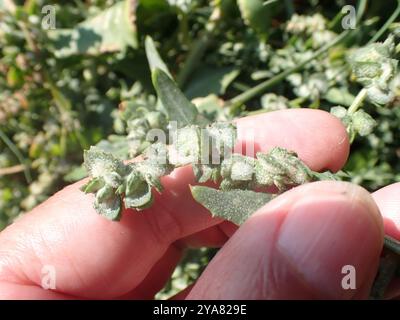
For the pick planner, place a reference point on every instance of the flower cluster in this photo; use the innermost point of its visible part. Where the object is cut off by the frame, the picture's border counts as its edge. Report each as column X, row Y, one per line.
column 358, row 122
column 374, row 66
column 132, row 122
column 279, row 167
column 272, row 102
column 299, row 24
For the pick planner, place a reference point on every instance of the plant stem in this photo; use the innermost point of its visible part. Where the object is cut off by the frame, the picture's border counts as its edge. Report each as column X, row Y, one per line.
column 7, row 141
column 335, row 20
column 392, row 244
column 361, row 6
column 389, row 265
column 260, row 88
column 357, row 101
column 387, row 270
column 392, row 18
column 12, row 170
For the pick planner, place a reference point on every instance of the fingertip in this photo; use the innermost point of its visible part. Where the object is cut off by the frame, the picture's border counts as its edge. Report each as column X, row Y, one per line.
column 334, row 231
column 388, row 201
column 300, row 246
column 319, row 138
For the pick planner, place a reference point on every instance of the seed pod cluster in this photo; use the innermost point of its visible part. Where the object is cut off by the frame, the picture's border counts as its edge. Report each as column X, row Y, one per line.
column 208, row 149
column 375, row 66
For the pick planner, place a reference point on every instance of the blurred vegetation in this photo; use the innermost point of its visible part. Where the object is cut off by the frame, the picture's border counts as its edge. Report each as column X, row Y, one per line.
column 87, row 81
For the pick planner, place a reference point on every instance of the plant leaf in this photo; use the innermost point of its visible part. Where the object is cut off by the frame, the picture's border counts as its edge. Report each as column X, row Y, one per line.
column 363, row 123
column 76, row 174
column 211, row 107
column 92, row 186
column 109, row 208
column 340, row 96
column 154, row 58
column 140, row 197
column 118, row 146
column 176, row 105
column 233, row 205
column 111, row 30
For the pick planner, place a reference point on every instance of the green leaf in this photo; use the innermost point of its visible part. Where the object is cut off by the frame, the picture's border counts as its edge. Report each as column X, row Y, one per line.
column 233, row 205
column 211, row 107
column 363, row 123
column 110, row 31
column 339, row 112
column 133, row 182
column 359, row 122
column 154, row 58
column 118, row 146
column 109, row 208
column 340, row 96
column 139, row 198
column 177, row 106
column 92, row 186
column 76, row 174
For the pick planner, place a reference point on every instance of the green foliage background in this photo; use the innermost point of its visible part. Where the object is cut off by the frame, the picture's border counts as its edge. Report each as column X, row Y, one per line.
column 64, row 89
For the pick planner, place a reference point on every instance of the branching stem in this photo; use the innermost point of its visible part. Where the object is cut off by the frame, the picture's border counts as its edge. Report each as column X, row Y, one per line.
column 358, row 101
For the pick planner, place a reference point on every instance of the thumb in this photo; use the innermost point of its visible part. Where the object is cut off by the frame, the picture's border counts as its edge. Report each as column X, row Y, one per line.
column 317, row 241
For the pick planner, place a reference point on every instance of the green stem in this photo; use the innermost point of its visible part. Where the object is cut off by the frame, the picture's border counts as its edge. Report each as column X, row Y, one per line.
column 361, row 5
column 7, row 141
column 262, row 87
column 335, row 20
column 391, row 19
column 268, row 2
column 296, row 103
column 387, row 270
column 357, row 101
column 388, row 267
column 392, row 244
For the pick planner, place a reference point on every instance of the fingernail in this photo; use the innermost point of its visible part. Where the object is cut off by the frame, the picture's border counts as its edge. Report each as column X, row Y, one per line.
column 332, row 239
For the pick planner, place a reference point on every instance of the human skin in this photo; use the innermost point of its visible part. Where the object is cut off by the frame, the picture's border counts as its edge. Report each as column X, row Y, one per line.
column 292, row 248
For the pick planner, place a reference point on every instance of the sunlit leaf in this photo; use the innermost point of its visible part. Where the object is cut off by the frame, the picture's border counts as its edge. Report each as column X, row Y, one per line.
column 112, row 30
column 154, row 58
column 177, row 106
column 234, row 205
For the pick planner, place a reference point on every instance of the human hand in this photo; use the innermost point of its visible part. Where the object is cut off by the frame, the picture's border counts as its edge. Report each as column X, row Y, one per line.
column 294, row 247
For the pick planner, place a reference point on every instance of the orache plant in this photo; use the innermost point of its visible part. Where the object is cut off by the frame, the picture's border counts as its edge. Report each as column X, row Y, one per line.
column 208, row 147
column 231, row 58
